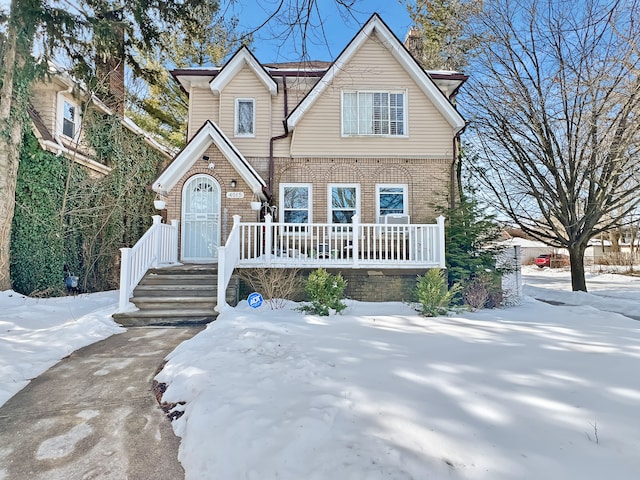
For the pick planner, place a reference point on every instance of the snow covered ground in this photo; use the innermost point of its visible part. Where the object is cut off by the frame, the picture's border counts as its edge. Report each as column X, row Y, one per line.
column 534, row 391
column 36, row 333
column 529, row 392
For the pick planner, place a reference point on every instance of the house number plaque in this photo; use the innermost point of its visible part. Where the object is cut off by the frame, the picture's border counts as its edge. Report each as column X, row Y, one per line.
column 235, row 194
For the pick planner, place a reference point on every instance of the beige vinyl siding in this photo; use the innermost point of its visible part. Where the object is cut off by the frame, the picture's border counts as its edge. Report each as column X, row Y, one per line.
column 373, row 68
column 247, row 85
column 203, row 106
column 44, row 101
column 297, row 88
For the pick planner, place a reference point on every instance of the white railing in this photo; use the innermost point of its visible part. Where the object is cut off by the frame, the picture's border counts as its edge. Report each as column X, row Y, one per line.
column 356, row 245
column 158, row 246
column 228, row 258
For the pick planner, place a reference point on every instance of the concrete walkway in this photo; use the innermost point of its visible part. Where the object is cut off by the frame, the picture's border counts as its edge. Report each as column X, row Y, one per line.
column 94, row 415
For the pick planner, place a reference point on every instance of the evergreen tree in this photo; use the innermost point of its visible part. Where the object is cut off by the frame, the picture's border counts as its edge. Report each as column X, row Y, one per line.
column 82, row 32
column 443, row 28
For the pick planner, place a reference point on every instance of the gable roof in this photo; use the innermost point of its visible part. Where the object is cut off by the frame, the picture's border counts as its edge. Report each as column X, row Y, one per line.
column 236, row 63
column 376, row 26
column 194, row 150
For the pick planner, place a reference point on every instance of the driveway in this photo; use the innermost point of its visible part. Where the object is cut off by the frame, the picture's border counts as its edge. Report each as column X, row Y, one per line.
column 94, row 415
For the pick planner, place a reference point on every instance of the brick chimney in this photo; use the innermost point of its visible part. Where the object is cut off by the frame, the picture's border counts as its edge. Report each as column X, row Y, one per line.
column 110, row 70
column 414, row 43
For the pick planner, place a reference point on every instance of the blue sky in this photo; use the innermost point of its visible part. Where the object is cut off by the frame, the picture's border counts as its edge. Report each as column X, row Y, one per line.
column 339, row 28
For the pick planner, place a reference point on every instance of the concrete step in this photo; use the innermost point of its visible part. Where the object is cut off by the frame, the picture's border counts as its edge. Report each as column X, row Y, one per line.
column 186, row 270
column 152, row 290
column 195, row 279
column 174, row 303
column 165, row 317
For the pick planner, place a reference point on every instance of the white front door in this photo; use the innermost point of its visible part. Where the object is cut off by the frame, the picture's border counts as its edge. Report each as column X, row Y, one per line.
column 200, row 219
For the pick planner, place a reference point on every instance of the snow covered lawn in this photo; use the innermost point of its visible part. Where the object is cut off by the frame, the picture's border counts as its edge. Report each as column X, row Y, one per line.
column 36, row 333
column 530, row 392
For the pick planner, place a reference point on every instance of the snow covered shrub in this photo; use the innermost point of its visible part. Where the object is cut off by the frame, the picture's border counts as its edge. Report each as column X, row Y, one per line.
column 326, row 292
column 432, row 293
column 483, row 290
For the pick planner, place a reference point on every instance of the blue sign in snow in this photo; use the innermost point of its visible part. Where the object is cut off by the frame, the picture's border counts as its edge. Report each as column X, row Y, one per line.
column 254, row 300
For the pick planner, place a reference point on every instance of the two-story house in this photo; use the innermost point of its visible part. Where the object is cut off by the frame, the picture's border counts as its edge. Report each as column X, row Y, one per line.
column 339, row 165
column 370, row 134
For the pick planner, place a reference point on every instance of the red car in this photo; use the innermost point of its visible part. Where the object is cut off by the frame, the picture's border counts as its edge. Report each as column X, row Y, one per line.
column 552, row 260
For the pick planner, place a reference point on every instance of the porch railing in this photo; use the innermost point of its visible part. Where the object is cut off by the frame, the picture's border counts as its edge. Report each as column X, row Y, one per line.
column 157, row 247
column 355, row 245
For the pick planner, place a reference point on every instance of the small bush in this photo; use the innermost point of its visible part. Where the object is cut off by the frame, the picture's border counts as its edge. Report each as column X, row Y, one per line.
column 483, row 291
column 326, row 292
column 277, row 285
column 432, row 293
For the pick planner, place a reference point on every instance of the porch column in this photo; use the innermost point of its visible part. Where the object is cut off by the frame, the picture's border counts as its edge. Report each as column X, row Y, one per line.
column 355, row 241
column 441, row 250
column 175, row 224
column 268, row 239
column 157, row 243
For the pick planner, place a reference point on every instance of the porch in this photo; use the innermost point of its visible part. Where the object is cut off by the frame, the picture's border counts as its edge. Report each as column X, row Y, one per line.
column 292, row 245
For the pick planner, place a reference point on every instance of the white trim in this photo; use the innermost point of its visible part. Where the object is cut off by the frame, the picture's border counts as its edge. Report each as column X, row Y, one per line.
column 60, row 118
column 193, row 152
column 330, row 186
column 405, row 197
column 309, row 186
column 375, row 26
column 237, row 116
column 241, row 58
column 391, row 91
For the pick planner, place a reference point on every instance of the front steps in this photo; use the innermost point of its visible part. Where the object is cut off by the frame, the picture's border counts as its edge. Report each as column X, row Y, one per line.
column 180, row 295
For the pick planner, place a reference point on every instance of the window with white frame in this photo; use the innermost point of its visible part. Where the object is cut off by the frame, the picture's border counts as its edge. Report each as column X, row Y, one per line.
column 344, row 202
column 295, row 203
column 245, row 117
column 373, row 113
column 391, row 199
column 69, row 119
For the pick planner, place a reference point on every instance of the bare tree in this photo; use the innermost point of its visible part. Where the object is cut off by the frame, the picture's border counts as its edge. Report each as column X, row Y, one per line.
column 555, row 95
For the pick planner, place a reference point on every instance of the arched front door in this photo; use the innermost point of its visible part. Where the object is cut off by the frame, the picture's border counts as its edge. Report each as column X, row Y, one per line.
column 200, row 219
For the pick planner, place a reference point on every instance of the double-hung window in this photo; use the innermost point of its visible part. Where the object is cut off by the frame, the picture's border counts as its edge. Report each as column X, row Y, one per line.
column 295, row 202
column 245, row 122
column 69, row 119
column 391, row 199
column 344, row 202
column 373, row 113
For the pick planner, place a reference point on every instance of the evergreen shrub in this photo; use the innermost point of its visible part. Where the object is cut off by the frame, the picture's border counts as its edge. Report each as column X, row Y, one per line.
column 326, row 292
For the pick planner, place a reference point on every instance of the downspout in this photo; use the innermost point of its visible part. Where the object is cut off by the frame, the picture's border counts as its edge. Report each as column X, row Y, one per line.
column 456, row 171
column 279, row 137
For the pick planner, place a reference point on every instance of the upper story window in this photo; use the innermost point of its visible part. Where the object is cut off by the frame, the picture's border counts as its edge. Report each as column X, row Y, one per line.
column 245, row 117
column 373, row 113
column 391, row 199
column 295, row 202
column 344, row 202
column 69, row 119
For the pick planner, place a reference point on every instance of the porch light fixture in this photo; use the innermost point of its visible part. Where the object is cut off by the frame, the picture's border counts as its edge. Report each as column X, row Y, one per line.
column 233, row 184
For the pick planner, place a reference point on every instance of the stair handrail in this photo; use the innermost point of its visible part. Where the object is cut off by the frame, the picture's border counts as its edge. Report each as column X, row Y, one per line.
column 158, row 245
column 228, row 259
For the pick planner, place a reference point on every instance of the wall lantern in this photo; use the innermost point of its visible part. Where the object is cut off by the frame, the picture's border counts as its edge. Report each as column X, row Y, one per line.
column 234, row 184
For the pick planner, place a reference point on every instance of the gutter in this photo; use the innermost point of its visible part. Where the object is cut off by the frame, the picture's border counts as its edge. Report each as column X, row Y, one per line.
column 77, row 157
column 269, row 193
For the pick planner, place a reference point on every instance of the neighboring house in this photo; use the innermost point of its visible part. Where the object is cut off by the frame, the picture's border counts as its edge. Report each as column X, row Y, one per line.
column 370, row 138
column 56, row 112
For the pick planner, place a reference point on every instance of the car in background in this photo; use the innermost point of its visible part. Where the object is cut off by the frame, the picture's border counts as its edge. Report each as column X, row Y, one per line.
column 552, row 260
